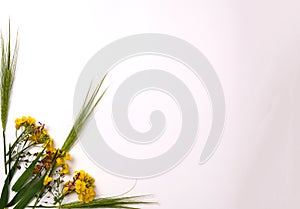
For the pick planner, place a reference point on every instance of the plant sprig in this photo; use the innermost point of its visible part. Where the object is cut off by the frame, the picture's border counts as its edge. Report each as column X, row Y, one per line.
column 87, row 109
column 8, row 70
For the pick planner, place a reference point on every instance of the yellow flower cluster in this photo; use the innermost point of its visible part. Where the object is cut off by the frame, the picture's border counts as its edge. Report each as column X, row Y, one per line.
column 24, row 121
column 84, row 186
column 82, row 183
column 36, row 133
column 60, row 161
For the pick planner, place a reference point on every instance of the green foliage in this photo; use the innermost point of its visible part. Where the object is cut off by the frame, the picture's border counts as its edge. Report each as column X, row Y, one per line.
column 131, row 202
column 27, row 174
column 7, row 182
column 87, row 109
column 29, row 195
column 8, row 70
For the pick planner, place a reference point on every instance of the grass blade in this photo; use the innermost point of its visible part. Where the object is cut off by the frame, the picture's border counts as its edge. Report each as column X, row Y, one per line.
column 22, row 192
column 5, row 190
column 26, row 174
column 82, row 118
column 121, row 202
column 30, row 194
column 4, row 195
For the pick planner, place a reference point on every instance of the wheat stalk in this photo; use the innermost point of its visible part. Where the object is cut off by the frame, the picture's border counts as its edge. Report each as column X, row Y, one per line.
column 8, row 70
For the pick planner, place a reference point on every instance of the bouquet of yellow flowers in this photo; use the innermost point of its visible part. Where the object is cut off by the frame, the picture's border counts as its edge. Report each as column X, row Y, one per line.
column 44, row 170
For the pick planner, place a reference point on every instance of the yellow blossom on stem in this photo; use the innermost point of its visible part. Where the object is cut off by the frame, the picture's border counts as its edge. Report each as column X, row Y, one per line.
column 65, row 169
column 18, row 123
column 68, row 187
column 47, row 180
column 31, row 120
column 60, row 161
column 24, row 119
column 65, row 190
column 67, row 156
column 49, row 145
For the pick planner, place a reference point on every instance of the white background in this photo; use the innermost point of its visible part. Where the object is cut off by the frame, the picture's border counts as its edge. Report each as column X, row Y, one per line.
column 254, row 46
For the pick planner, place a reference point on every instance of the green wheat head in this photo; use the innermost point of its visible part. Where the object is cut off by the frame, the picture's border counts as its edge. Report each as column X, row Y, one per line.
column 87, row 109
column 8, row 70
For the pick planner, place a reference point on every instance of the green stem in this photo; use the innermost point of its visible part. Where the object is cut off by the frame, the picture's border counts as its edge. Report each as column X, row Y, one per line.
column 17, row 141
column 4, row 150
column 22, row 151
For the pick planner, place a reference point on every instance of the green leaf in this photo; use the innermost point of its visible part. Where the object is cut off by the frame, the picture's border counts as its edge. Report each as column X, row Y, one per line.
column 27, row 174
column 22, row 192
column 30, row 194
column 5, row 190
column 4, row 195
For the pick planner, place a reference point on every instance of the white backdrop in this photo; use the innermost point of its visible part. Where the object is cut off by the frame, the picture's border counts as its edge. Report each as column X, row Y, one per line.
column 254, row 47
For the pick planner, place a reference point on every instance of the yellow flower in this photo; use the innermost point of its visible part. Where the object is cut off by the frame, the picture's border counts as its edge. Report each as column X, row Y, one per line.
column 81, row 174
column 44, row 131
column 23, row 119
column 60, row 161
column 87, row 196
column 34, row 138
column 47, row 180
column 68, row 188
column 49, row 145
column 65, row 190
column 79, row 186
column 67, row 156
column 84, row 186
column 18, row 123
column 65, row 169
column 30, row 120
